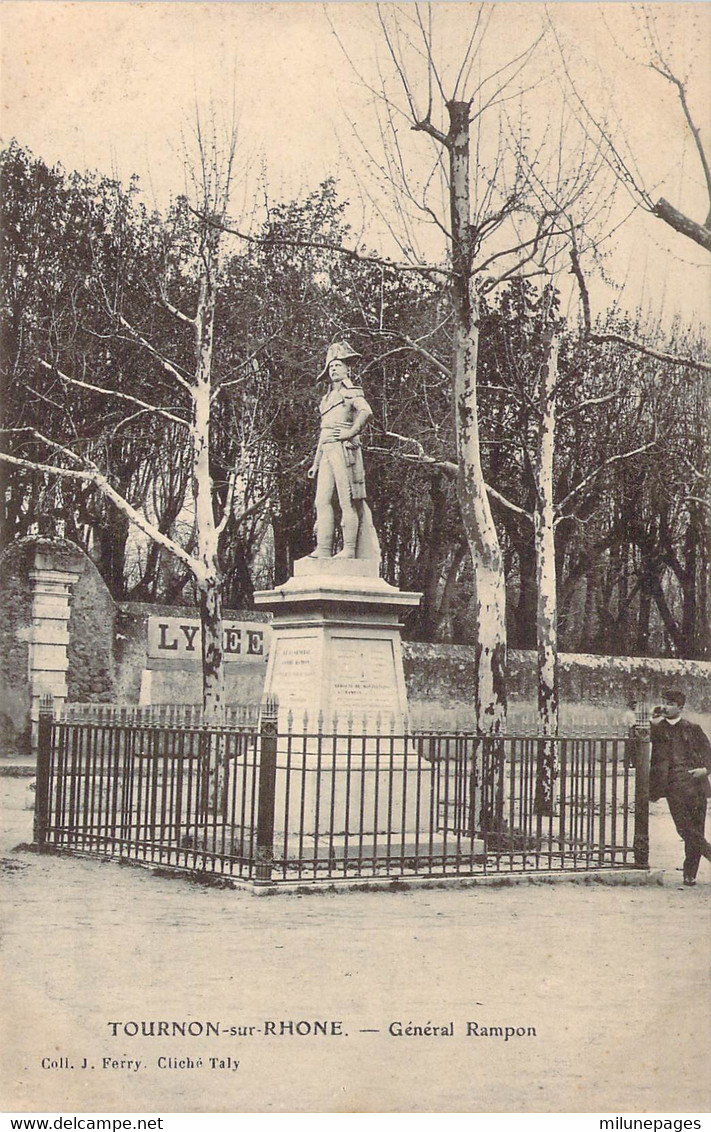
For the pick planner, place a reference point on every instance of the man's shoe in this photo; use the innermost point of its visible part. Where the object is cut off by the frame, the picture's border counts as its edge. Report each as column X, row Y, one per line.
column 689, row 882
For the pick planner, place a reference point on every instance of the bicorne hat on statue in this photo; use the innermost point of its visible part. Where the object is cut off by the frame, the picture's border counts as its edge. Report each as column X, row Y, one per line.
column 338, row 351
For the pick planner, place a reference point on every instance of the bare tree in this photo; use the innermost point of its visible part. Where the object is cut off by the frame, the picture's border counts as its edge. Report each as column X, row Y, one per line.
column 553, row 432
column 449, row 124
column 187, row 389
column 499, row 216
column 612, row 137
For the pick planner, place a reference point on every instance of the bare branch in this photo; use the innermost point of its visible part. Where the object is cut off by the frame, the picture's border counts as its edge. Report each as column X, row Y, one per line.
column 612, row 156
column 699, row 233
column 432, row 69
column 532, row 243
column 167, row 366
column 51, row 443
column 508, row 504
column 424, row 125
column 259, row 503
column 678, row 221
column 523, row 59
column 594, row 474
column 180, row 315
column 246, row 364
column 468, row 59
column 412, row 440
column 666, row 73
column 113, row 393
column 577, row 271
column 514, row 270
column 600, row 338
column 326, row 245
column 396, row 62
column 449, row 466
column 414, row 345
column 589, row 401
column 101, row 482
column 660, row 355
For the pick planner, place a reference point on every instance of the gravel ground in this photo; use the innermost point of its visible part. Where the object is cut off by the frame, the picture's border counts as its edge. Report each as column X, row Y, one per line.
column 614, row 981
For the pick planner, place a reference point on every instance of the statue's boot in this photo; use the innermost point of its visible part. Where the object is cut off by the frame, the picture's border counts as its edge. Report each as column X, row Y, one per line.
column 324, row 542
column 349, row 551
column 324, row 546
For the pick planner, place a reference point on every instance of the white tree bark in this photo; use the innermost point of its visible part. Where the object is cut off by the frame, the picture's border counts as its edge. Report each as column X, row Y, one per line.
column 487, row 561
column 209, row 583
column 544, row 537
column 546, row 581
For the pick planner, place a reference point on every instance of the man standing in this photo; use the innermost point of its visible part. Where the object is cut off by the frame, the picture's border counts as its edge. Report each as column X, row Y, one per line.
column 338, row 462
column 681, row 763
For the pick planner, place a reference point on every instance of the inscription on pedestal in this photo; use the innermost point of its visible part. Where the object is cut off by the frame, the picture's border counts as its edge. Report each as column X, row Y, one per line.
column 296, row 673
column 363, row 677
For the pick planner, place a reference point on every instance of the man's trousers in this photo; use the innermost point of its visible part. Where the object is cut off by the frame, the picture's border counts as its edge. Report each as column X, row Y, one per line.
column 689, row 814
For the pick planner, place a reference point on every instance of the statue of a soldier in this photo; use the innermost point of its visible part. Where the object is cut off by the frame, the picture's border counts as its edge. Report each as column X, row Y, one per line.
column 338, row 463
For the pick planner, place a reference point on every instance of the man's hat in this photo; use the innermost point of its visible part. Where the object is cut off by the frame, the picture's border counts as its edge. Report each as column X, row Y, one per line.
column 674, row 695
column 338, row 352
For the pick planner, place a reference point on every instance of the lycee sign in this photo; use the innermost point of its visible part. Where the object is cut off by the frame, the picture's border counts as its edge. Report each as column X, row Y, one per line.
column 178, row 638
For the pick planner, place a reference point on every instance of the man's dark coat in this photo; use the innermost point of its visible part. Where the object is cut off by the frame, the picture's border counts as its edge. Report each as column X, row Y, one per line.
column 691, row 748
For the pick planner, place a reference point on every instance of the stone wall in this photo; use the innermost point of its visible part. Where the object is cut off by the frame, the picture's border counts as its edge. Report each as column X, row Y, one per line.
column 596, row 692
column 56, row 633
column 177, row 681
column 95, row 651
column 91, row 674
column 15, row 625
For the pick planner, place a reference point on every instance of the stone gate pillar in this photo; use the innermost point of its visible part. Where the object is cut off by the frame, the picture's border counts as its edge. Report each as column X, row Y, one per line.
column 49, row 635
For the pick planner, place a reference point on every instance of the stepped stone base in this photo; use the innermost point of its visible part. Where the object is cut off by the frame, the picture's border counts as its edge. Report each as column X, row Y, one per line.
column 411, row 849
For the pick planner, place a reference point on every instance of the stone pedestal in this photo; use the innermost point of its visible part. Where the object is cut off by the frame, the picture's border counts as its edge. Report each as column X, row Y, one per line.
column 335, row 665
column 336, row 650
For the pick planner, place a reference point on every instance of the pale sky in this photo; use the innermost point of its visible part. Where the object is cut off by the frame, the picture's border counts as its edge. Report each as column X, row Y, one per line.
column 113, row 86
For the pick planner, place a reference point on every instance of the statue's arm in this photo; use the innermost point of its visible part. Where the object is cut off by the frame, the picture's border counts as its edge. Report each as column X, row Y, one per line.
column 361, row 420
column 363, row 413
column 316, row 461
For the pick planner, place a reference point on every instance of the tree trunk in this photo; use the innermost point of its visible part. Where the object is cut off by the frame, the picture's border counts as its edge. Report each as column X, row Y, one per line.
column 487, row 560
column 210, row 604
column 431, row 563
column 671, row 627
column 544, row 540
column 699, row 233
column 238, row 588
column 687, row 580
column 546, row 579
column 525, row 620
column 209, row 579
column 112, row 537
column 444, row 628
column 705, row 595
column 586, row 631
column 644, row 614
column 281, row 553
column 618, row 563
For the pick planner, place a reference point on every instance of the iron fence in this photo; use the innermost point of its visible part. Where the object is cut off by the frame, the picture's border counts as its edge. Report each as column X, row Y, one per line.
column 240, row 716
column 267, row 805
